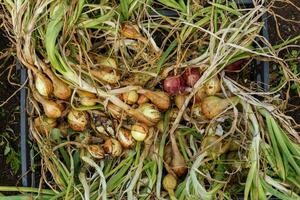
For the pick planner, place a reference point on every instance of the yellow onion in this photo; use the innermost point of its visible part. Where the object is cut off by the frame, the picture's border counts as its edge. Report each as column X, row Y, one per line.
column 150, row 112
column 107, row 75
column 78, row 120
column 131, row 31
column 112, row 147
column 178, row 162
column 96, row 151
column 160, row 99
column 130, row 97
column 44, row 124
column 213, row 105
column 213, row 86
column 179, row 100
column 106, row 61
column 51, row 108
column 125, row 138
column 142, row 99
column 169, row 182
column 43, row 85
column 201, row 94
column 215, row 149
column 168, row 154
column 160, row 126
column 114, row 110
column 87, row 98
column 139, row 131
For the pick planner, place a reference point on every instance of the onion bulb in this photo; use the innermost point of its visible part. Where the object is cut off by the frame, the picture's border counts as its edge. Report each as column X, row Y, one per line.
column 160, row 99
column 201, row 94
column 112, row 147
column 43, row 85
column 150, row 112
column 215, row 149
column 169, row 184
column 173, row 85
column 212, row 106
column 44, row 124
column 139, row 131
column 130, row 97
column 178, row 162
column 191, row 76
column 114, row 110
column 96, row 151
column 142, row 99
column 106, row 74
column 213, row 86
column 87, row 98
column 78, row 120
column 125, row 138
column 51, row 108
column 179, row 100
column 167, row 154
column 160, row 126
column 106, row 62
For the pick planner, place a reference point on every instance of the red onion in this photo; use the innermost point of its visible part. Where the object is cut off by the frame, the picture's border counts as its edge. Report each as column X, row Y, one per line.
column 191, row 76
column 174, row 85
column 235, row 67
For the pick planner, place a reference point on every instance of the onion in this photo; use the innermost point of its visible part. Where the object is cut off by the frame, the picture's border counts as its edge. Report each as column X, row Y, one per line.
column 107, row 75
column 160, row 99
column 106, row 62
column 178, row 163
column 130, row 97
column 44, row 124
column 77, row 120
column 51, row 108
column 150, row 112
column 215, row 149
column 60, row 89
column 213, row 106
column 213, row 86
column 112, row 147
column 142, row 99
column 114, row 110
column 201, row 94
column 43, row 85
column 87, row 98
column 63, row 127
column 167, row 154
column 96, row 151
column 160, row 126
column 179, row 100
column 169, row 184
column 139, row 131
column 173, row 85
column 125, row 138
column 235, row 67
column 191, row 76
column 130, row 31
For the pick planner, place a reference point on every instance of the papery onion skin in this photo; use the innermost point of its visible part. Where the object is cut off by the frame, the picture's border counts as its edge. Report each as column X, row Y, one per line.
column 212, row 106
column 174, row 85
column 113, row 147
column 78, row 120
column 43, row 85
column 139, row 131
column 213, row 86
column 160, row 99
column 125, row 138
column 44, row 124
column 96, row 151
column 191, row 76
column 52, row 109
column 150, row 112
column 130, row 97
column 142, row 99
column 87, row 98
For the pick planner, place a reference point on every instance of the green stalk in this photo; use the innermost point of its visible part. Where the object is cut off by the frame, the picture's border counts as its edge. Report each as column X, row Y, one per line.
column 165, row 55
column 26, row 189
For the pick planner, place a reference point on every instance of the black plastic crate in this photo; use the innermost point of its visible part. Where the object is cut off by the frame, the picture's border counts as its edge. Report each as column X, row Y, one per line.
column 29, row 177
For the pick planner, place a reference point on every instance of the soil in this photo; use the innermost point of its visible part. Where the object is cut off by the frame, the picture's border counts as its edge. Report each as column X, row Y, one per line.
column 288, row 26
column 9, row 117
